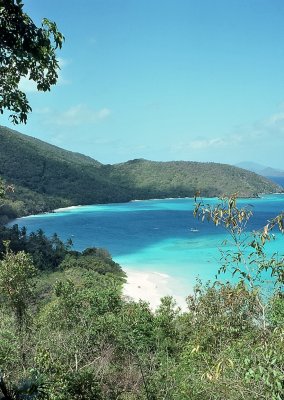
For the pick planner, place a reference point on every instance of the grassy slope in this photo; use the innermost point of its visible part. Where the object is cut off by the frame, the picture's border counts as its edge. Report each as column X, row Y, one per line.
column 180, row 178
column 47, row 177
column 53, row 172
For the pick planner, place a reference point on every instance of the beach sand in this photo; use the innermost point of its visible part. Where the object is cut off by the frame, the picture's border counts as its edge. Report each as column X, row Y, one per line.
column 150, row 286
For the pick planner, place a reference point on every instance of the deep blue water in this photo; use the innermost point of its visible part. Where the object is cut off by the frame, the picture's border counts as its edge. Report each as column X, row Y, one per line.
column 277, row 179
column 153, row 235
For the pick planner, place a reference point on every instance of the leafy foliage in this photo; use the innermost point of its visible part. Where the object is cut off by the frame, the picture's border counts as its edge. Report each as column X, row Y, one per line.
column 87, row 342
column 184, row 178
column 248, row 260
column 26, row 51
column 16, row 273
column 83, row 340
column 52, row 254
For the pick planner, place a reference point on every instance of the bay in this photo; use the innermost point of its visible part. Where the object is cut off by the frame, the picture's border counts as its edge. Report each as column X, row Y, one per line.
column 154, row 235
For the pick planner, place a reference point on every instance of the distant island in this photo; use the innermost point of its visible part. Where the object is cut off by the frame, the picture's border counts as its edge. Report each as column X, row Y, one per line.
column 47, row 177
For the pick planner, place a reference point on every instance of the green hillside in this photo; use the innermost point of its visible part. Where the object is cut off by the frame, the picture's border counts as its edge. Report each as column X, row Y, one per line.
column 185, row 178
column 46, row 177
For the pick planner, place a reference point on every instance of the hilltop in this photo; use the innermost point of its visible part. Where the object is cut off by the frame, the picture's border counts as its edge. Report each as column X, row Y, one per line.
column 185, row 178
column 46, row 177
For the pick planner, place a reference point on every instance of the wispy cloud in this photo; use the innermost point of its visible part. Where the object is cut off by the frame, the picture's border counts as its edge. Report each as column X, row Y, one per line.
column 77, row 115
column 273, row 125
column 276, row 118
column 258, row 133
column 262, row 131
column 206, row 143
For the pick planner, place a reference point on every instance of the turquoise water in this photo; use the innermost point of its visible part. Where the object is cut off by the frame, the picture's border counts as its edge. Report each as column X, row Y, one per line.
column 153, row 235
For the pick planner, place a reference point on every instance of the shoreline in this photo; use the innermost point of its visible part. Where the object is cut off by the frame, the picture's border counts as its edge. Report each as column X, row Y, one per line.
column 72, row 207
column 151, row 286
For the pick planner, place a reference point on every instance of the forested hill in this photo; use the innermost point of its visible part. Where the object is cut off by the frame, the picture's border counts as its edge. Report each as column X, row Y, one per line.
column 185, row 178
column 46, row 177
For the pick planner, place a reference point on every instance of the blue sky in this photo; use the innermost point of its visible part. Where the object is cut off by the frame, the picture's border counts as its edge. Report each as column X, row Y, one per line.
column 165, row 80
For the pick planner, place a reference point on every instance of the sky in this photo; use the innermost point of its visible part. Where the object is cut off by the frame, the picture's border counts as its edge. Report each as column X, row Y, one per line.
column 164, row 80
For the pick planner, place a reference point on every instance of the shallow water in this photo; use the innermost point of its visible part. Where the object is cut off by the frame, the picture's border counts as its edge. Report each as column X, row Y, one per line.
column 154, row 235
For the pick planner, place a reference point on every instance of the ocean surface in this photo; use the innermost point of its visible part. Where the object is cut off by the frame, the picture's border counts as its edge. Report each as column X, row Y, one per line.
column 155, row 235
column 277, row 179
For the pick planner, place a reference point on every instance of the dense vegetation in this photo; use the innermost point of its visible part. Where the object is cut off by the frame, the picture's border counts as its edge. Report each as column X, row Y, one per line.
column 49, row 254
column 183, row 178
column 26, row 51
column 67, row 332
column 46, row 177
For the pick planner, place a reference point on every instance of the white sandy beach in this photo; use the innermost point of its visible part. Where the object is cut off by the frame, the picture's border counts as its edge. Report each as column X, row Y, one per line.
column 150, row 286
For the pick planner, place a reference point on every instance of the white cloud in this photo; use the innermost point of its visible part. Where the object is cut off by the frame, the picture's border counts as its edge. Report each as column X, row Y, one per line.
column 78, row 115
column 206, row 143
column 259, row 133
column 274, row 124
column 265, row 129
column 103, row 113
column 276, row 118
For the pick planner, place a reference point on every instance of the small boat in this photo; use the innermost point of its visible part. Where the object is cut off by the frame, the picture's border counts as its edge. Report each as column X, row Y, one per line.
column 193, row 230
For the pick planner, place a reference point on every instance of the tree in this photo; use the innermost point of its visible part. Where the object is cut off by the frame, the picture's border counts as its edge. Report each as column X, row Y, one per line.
column 17, row 274
column 26, row 51
column 259, row 353
column 248, row 259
